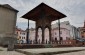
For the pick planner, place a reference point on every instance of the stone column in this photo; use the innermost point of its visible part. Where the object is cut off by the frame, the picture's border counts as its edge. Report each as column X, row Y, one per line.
column 11, row 43
column 36, row 36
column 59, row 31
column 50, row 35
column 27, row 39
column 43, row 35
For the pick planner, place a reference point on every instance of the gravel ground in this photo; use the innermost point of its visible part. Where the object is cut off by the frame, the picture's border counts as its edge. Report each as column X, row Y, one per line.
column 73, row 53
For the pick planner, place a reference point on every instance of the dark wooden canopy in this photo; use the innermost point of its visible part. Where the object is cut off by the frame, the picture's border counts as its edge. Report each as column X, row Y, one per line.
column 43, row 10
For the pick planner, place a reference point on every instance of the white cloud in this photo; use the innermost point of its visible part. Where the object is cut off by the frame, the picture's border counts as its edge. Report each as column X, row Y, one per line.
column 74, row 9
column 21, row 20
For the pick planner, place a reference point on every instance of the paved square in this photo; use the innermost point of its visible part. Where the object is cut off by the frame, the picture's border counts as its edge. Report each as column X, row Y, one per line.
column 47, row 50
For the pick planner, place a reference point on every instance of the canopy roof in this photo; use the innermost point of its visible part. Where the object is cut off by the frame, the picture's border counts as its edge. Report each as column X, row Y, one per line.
column 43, row 10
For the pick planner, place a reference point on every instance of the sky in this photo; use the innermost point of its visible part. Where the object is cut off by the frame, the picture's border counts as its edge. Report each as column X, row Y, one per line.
column 73, row 9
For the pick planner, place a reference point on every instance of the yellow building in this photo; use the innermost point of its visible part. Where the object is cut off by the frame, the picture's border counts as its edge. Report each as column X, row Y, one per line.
column 21, row 35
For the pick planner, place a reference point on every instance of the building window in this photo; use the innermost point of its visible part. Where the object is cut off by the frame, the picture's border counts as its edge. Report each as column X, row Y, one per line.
column 17, row 32
column 20, row 33
column 24, row 37
column 23, row 33
column 82, row 36
column 55, row 39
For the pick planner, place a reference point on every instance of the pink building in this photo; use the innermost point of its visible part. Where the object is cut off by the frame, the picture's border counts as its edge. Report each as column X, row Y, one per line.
column 32, row 35
column 67, row 32
column 64, row 33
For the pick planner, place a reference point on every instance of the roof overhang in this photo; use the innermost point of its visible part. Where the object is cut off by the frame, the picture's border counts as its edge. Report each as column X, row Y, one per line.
column 43, row 9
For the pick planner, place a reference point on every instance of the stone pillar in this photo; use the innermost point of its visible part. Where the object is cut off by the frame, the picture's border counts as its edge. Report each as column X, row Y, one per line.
column 59, row 31
column 42, row 36
column 36, row 36
column 11, row 43
column 50, row 36
column 27, row 39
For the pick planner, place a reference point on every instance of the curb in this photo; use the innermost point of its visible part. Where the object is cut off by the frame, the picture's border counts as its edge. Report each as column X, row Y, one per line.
column 48, row 53
column 27, row 53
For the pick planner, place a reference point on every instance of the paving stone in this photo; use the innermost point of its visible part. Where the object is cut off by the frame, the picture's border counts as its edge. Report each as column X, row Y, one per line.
column 47, row 50
column 73, row 53
column 10, row 53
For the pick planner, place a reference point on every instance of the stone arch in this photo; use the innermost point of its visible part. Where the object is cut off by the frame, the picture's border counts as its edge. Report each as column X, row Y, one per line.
column 39, row 36
column 46, row 34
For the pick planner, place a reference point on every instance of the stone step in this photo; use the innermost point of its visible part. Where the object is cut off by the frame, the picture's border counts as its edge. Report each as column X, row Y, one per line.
column 49, row 51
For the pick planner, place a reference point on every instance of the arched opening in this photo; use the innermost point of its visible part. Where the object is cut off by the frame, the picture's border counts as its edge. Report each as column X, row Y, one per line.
column 39, row 37
column 46, row 36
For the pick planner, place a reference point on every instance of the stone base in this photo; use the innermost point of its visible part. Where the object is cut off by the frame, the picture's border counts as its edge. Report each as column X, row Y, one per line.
column 10, row 47
column 8, row 41
column 11, row 43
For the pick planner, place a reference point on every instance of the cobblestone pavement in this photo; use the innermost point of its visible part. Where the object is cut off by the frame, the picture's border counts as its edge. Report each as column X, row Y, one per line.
column 73, row 53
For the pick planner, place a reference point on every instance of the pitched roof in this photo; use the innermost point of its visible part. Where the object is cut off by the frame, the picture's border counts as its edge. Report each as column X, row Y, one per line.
column 19, row 29
column 9, row 7
column 43, row 9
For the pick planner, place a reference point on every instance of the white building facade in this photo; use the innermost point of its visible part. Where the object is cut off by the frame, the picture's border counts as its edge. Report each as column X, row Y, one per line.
column 74, row 33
